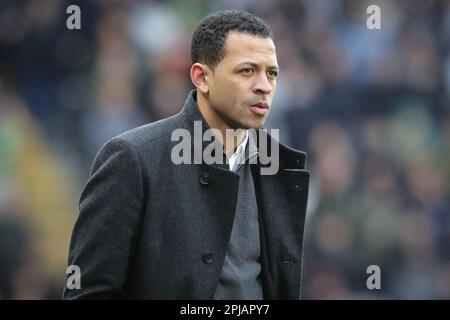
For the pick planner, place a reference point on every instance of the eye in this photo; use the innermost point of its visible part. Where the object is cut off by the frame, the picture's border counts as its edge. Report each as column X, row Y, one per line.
column 272, row 74
column 247, row 71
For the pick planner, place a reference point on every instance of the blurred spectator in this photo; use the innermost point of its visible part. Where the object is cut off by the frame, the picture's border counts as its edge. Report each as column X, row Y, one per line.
column 115, row 108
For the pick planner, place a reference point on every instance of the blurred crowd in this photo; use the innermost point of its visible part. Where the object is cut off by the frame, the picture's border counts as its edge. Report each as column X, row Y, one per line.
column 370, row 107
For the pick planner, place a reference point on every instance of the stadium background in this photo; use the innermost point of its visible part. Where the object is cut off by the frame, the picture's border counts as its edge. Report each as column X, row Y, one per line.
column 370, row 107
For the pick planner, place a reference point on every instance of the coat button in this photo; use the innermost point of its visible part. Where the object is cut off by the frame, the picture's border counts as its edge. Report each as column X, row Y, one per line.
column 208, row 258
column 297, row 187
column 204, row 179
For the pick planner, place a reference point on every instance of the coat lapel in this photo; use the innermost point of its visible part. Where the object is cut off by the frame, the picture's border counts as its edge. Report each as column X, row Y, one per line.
column 282, row 200
column 213, row 215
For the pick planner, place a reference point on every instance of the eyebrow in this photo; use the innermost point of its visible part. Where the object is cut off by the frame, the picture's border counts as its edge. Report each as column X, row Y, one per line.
column 255, row 65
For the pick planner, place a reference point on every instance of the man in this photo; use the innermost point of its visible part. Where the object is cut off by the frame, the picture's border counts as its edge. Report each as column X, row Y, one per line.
column 152, row 229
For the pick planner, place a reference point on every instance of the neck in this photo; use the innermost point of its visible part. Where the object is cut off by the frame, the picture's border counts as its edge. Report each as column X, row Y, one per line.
column 216, row 122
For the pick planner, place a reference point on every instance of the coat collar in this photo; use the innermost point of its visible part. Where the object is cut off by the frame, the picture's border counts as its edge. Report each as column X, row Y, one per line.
column 289, row 158
column 191, row 112
column 192, row 119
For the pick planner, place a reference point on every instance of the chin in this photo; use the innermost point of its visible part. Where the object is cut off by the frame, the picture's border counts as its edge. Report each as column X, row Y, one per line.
column 256, row 126
column 250, row 124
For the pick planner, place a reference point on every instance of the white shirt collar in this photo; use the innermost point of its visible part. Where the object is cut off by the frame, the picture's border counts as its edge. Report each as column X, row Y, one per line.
column 238, row 157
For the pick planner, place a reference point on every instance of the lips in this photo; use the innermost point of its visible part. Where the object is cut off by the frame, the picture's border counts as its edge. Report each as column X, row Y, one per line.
column 259, row 108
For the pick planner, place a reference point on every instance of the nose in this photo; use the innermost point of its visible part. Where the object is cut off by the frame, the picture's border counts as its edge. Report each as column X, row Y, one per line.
column 262, row 85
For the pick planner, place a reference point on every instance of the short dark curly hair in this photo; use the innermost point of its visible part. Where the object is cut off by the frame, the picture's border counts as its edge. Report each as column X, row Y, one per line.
column 208, row 39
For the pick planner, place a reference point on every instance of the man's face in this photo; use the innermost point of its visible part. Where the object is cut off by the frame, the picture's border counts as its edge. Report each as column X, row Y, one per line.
column 242, row 85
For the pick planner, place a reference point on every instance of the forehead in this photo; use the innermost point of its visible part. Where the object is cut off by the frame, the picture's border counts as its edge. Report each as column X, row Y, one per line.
column 242, row 46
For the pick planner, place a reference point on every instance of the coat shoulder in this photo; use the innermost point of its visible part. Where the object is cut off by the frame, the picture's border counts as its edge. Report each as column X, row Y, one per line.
column 151, row 133
column 289, row 157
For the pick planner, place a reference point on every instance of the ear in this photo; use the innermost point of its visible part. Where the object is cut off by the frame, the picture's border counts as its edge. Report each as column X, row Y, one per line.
column 200, row 74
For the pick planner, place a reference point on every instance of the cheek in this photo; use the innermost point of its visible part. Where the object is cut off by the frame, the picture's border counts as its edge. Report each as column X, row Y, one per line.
column 231, row 95
column 220, row 88
column 227, row 94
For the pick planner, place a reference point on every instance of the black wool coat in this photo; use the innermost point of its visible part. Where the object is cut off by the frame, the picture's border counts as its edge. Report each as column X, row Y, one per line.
column 151, row 229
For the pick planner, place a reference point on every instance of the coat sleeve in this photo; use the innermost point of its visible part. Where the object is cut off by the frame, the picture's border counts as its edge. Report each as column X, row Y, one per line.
column 105, row 234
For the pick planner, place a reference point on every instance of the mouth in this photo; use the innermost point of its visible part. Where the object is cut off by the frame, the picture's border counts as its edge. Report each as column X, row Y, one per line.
column 259, row 108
